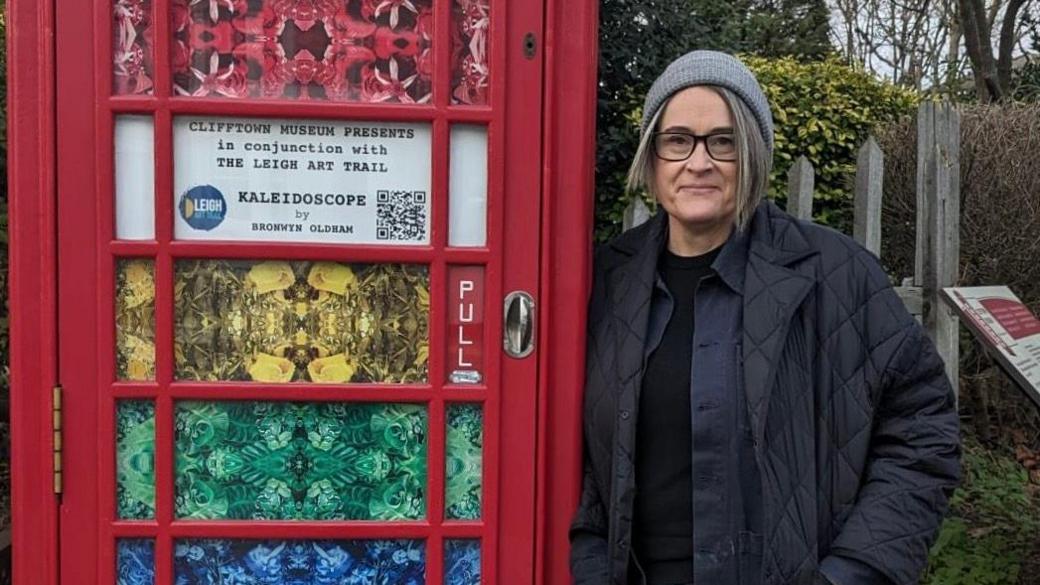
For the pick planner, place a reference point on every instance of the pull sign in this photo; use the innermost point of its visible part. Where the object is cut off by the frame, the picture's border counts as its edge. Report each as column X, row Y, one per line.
column 530, row 45
column 465, row 324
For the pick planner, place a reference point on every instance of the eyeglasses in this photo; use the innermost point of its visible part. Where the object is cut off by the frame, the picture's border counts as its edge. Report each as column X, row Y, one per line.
column 678, row 146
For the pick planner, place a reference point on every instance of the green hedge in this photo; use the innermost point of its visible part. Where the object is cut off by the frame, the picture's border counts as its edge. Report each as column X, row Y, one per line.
column 825, row 111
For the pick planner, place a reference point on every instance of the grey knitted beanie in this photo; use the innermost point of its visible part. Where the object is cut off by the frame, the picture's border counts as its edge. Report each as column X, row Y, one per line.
column 711, row 68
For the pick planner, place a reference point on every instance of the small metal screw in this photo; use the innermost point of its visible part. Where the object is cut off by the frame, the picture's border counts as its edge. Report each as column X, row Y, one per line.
column 530, row 46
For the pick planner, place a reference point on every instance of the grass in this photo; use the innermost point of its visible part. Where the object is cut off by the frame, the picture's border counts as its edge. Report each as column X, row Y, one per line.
column 992, row 532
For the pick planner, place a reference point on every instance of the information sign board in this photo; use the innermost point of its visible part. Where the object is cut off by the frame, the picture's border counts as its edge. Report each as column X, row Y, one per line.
column 1007, row 328
column 302, row 180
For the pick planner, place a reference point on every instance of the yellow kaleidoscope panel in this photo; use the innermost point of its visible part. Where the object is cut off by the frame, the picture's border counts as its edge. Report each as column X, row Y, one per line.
column 298, row 321
column 135, row 320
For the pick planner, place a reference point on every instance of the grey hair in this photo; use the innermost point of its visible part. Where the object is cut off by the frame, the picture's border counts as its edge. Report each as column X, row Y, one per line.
column 754, row 160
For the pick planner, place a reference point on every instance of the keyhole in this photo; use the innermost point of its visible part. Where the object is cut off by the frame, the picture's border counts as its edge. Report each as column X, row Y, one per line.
column 529, row 45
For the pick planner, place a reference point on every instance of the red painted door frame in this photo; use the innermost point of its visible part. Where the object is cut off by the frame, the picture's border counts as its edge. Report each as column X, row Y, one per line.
column 568, row 121
column 569, row 159
column 32, row 288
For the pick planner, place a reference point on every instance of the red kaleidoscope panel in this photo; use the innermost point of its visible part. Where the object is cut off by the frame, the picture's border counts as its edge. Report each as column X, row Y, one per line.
column 133, row 53
column 335, row 50
column 469, row 55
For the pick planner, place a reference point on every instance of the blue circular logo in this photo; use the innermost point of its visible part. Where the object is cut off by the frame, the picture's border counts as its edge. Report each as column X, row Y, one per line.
column 203, row 207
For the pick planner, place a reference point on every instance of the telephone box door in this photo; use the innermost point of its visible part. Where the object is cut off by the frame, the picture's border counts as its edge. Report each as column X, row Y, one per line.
column 298, row 275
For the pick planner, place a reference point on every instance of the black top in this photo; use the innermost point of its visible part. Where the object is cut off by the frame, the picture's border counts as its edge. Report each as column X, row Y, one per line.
column 663, row 522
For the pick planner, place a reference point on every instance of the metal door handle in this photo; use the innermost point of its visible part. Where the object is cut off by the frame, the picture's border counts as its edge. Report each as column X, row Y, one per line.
column 518, row 332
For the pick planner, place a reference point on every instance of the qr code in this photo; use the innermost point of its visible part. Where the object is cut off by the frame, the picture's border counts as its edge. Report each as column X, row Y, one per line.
column 401, row 215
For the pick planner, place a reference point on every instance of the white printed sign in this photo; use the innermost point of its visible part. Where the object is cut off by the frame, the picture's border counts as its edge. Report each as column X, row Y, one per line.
column 301, row 180
column 1006, row 327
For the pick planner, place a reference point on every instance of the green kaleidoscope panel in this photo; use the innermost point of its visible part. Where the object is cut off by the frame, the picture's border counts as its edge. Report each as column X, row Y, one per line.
column 135, row 460
column 135, row 320
column 280, row 321
column 244, row 460
column 463, row 461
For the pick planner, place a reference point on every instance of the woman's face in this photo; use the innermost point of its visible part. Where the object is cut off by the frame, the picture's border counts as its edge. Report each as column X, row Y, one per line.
column 699, row 193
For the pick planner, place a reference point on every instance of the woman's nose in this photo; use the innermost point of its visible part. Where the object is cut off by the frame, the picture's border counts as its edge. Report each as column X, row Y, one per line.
column 700, row 161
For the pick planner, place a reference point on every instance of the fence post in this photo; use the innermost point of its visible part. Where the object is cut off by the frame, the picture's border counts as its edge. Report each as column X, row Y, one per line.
column 870, row 176
column 635, row 214
column 800, row 185
column 938, row 224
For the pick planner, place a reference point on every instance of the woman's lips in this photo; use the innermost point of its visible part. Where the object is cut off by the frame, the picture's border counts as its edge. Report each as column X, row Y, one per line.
column 698, row 190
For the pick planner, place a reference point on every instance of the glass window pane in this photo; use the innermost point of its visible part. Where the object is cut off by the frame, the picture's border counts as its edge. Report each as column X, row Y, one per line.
column 380, row 562
column 135, row 320
column 468, row 183
column 300, row 461
column 135, row 562
column 464, row 461
column 296, row 321
column 461, row 562
column 469, row 50
column 135, row 460
column 133, row 54
column 135, row 177
column 340, row 51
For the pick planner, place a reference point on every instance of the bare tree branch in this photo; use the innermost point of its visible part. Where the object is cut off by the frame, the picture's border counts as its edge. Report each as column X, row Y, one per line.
column 1007, row 42
column 904, row 40
column 932, row 44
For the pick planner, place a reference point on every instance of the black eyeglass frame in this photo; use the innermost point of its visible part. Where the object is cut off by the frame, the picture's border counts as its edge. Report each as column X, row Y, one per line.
column 697, row 139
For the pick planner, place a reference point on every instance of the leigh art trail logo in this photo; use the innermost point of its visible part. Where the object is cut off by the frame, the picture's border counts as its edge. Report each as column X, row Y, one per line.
column 203, row 207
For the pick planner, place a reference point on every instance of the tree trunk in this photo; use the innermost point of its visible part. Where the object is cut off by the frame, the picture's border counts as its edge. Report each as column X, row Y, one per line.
column 1007, row 43
column 977, row 40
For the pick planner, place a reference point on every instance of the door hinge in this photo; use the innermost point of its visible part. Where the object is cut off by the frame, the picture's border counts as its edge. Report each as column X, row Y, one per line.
column 57, row 439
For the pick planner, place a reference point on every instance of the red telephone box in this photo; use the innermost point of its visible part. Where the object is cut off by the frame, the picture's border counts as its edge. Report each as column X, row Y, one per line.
column 297, row 288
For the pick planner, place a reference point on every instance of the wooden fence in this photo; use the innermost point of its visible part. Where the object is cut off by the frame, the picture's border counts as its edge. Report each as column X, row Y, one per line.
column 937, row 253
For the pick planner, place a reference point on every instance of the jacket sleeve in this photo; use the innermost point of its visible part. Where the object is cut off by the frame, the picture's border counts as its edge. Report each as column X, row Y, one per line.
column 588, row 535
column 839, row 570
column 589, row 528
column 913, row 461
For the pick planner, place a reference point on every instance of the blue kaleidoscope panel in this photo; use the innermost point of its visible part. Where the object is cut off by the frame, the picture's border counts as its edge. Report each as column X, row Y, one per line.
column 462, row 562
column 135, row 562
column 300, row 562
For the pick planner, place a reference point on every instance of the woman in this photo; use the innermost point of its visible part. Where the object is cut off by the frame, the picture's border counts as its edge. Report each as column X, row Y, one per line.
column 759, row 405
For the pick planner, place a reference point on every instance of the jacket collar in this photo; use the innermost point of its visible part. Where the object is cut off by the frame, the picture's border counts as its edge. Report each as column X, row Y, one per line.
column 630, row 289
column 776, row 237
column 732, row 260
column 776, row 284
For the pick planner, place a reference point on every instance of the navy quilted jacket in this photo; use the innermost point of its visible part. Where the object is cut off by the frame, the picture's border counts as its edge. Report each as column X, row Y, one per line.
column 854, row 421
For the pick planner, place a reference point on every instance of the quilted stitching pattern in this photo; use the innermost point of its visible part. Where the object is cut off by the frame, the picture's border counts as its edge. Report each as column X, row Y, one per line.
column 855, row 421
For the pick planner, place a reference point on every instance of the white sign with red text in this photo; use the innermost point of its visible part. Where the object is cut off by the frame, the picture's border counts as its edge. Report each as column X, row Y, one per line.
column 1008, row 329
